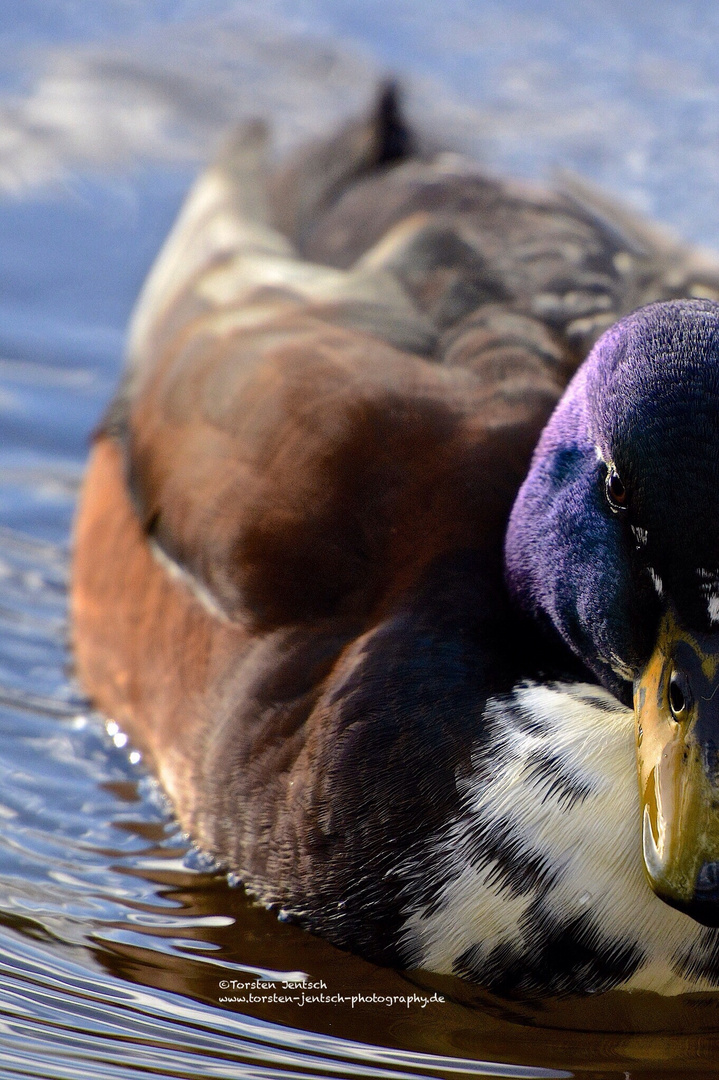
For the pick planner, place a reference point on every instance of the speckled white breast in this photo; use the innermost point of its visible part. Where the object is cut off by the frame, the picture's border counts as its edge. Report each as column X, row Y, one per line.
column 542, row 865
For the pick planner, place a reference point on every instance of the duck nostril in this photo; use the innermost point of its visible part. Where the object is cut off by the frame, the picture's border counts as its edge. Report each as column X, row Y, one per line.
column 679, row 695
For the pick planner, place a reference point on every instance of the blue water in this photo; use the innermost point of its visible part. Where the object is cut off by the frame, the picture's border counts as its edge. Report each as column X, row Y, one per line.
column 113, row 944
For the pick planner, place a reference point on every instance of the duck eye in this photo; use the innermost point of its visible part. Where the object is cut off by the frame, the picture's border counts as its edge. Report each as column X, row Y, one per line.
column 679, row 695
column 616, row 491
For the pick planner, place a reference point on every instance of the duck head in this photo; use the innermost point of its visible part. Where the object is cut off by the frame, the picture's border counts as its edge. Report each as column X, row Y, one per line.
column 613, row 545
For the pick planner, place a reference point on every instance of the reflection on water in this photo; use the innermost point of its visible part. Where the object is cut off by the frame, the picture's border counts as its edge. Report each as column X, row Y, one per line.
column 114, row 946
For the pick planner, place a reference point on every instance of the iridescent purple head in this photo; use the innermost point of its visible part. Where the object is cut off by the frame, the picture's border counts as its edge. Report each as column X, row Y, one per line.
column 640, row 420
column 613, row 545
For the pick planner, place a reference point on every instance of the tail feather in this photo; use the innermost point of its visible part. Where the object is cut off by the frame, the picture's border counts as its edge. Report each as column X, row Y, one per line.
column 313, row 179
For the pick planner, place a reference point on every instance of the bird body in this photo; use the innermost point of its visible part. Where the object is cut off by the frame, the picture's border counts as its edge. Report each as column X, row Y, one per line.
column 290, row 587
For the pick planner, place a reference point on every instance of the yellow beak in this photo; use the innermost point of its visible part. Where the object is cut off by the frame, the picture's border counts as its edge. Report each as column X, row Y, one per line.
column 676, row 705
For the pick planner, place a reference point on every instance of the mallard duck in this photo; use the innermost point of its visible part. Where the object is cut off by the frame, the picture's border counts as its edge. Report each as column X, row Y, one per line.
column 398, row 558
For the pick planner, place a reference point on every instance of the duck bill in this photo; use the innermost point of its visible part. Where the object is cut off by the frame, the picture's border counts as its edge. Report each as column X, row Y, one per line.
column 676, row 705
